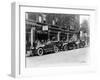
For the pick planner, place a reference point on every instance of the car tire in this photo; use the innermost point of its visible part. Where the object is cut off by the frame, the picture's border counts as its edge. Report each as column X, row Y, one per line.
column 74, row 46
column 39, row 51
column 65, row 48
column 70, row 47
column 81, row 44
column 56, row 49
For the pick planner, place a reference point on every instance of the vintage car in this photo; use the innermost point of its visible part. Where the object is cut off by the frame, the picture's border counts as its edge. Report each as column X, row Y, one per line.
column 73, row 45
column 69, row 46
column 82, row 44
column 50, row 46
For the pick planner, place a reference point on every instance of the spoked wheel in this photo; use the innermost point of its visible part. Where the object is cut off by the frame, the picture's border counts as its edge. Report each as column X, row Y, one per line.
column 65, row 48
column 81, row 45
column 70, row 47
column 74, row 46
column 56, row 49
column 40, row 52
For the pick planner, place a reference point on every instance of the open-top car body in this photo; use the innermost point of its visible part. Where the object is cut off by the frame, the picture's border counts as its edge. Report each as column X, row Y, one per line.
column 51, row 46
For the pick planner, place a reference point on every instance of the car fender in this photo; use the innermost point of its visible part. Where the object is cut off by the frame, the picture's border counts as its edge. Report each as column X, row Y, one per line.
column 38, row 46
column 65, row 44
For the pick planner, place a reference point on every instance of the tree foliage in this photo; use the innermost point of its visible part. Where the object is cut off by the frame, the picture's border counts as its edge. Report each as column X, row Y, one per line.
column 85, row 26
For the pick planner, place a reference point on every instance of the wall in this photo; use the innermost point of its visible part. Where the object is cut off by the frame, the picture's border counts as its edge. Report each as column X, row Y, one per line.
column 5, row 39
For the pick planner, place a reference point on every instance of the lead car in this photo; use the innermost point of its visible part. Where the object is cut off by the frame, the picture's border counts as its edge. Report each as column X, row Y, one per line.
column 50, row 46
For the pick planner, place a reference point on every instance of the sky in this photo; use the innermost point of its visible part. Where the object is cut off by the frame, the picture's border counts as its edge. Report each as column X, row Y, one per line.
column 83, row 17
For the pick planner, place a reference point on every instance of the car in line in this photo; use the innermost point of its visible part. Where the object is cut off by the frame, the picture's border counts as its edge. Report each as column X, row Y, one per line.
column 73, row 45
column 52, row 46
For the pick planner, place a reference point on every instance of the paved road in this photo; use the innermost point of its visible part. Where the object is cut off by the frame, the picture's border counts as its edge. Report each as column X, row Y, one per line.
column 72, row 56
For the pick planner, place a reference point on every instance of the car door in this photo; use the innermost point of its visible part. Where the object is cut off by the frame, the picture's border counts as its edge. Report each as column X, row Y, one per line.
column 48, row 47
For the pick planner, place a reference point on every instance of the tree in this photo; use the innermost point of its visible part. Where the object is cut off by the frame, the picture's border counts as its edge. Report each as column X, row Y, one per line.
column 85, row 27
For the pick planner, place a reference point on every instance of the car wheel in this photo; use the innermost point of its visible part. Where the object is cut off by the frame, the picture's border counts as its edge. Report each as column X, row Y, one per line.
column 65, row 48
column 56, row 49
column 77, row 46
column 70, row 47
column 81, row 45
column 40, row 52
column 74, row 46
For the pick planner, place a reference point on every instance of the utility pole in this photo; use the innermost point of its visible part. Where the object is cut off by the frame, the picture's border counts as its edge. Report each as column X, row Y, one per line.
column 58, row 36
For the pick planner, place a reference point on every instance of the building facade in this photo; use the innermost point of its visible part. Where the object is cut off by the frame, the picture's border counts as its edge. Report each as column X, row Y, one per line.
column 55, row 27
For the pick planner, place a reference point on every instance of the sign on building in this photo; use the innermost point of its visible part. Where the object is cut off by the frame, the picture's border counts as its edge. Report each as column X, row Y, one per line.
column 45, row 28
